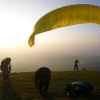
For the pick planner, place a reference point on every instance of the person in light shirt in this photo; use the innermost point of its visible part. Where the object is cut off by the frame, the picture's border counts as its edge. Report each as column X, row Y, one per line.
column 6, row 68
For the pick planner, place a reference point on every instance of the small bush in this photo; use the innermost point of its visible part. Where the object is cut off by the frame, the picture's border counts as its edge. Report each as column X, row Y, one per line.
column 85, row 69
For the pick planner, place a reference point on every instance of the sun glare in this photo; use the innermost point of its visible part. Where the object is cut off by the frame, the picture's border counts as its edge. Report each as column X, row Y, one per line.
column 13, row 30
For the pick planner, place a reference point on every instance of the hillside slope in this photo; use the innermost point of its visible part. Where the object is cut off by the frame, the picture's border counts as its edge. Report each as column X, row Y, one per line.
column 21, row 86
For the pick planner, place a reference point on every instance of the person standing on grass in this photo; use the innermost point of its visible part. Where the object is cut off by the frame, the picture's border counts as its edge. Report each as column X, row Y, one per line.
column 6, row 68
column 76, row 64
column 42, row 78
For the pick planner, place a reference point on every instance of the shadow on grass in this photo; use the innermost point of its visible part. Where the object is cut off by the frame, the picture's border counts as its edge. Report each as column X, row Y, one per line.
column 8, row 92
column 48, row 96
column 91, row 96
column 86, row 97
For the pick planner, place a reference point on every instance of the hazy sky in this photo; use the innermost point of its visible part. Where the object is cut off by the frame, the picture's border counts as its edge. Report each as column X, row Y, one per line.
column 18, row 17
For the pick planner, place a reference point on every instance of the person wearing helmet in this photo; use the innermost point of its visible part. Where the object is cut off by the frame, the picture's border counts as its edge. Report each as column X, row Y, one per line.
column 6, row 68
column 42, row 78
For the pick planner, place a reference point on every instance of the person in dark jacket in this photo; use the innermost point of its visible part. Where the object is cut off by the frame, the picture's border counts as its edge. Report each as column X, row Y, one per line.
column 42, row 78
column 5, row 60
column 6, row 68
column 76, row 64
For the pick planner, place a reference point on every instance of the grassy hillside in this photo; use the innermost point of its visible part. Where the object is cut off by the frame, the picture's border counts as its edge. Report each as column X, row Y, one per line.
column 21, row 86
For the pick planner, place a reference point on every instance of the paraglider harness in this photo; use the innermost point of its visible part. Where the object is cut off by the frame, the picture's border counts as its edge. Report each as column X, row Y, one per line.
column 78, row 87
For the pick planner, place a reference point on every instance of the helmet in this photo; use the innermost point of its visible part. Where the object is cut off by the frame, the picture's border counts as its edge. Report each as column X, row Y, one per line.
column 68, row 87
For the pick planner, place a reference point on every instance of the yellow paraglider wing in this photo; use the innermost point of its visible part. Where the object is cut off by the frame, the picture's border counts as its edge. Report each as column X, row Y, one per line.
column 66, row 16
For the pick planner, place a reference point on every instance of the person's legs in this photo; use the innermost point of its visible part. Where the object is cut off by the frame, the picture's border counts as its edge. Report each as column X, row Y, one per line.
column 77, row 67
column 46, row 86
column 4, row 76
column 40, row 85
column 46, row 83
column 74, row 68
column 7, row 76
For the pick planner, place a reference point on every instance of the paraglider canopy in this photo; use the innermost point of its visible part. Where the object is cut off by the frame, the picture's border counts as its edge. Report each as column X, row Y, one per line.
column 66, row 16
